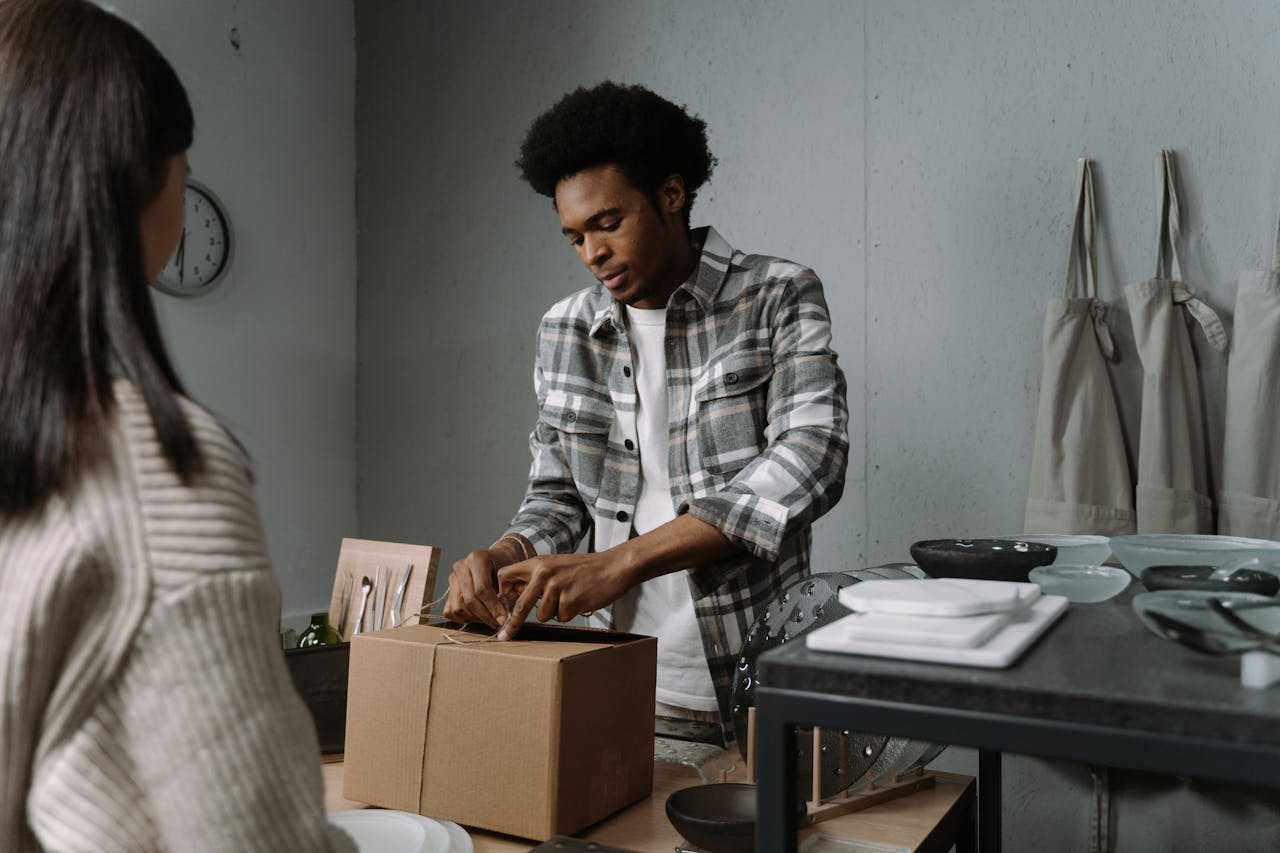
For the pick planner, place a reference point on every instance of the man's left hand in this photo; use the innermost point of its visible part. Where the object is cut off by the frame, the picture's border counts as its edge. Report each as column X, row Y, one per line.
column 562, row 586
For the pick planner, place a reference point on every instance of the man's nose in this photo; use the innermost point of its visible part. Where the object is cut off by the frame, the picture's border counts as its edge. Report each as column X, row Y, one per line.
column 595, row 250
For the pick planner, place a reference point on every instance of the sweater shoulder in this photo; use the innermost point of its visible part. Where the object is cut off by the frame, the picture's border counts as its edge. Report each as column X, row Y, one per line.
column 207, row 523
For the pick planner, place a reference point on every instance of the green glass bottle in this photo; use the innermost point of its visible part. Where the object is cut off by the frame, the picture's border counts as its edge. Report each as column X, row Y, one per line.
column 319, row 633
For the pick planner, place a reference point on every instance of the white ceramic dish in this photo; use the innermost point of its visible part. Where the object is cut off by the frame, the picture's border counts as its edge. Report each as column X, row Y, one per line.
column 1143, row 550
column 1000, row 651
column 1073, row 549
column 390, row 831
column 937, row 597
column 1081, row 584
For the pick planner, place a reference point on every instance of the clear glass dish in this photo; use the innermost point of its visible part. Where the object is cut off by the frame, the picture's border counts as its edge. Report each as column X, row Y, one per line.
column 1143, row 550
column 1081, row 584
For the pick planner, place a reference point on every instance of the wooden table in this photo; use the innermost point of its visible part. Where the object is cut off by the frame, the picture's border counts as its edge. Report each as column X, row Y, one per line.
column 926, row 820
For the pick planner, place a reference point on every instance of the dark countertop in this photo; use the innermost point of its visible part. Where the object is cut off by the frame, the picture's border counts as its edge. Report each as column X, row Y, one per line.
column 1096, row 665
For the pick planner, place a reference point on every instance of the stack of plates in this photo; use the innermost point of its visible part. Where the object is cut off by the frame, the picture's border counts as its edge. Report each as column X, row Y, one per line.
column 952, row 620
column 389, row 831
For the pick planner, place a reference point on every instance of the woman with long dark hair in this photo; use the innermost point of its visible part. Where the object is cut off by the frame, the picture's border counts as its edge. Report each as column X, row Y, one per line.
column 145, row 701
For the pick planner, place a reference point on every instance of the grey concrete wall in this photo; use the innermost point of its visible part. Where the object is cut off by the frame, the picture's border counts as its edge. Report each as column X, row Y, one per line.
column 918, row 155
column 272, row 350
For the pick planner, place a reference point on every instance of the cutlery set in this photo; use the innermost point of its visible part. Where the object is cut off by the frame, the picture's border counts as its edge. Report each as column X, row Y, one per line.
column 377, row 588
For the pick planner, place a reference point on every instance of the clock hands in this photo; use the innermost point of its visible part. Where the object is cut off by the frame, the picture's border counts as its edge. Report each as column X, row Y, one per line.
column 182, row 252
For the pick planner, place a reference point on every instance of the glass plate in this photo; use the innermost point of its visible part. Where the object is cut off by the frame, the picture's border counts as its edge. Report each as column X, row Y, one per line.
column 1192, row 607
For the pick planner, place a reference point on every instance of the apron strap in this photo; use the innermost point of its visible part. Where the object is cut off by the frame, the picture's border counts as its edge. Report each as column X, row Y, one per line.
column 1082, row 237
column 1084, row 253
column 1167, row 230
column 1204, row 315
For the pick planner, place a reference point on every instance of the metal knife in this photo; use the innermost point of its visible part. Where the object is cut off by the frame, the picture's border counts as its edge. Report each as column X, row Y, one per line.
column 398, row 602
column 379, row 599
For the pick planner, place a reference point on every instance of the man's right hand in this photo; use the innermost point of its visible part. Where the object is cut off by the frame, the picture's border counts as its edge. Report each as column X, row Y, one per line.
column 473, row 586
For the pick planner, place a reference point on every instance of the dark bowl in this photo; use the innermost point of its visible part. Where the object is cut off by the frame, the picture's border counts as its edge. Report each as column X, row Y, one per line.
column 320, row 676
column 1198, row 577
column 985, row 559
column 720, row 817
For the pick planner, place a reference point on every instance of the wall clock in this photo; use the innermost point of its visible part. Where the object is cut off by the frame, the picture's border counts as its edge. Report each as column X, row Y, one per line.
column 204, row 252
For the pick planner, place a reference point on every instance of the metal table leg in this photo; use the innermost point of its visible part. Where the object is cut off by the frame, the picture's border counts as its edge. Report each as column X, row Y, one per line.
column 775, row 770
column 989, row 801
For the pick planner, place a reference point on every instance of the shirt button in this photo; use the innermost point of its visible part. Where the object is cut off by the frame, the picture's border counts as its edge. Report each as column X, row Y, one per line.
column 626, row 371
column 730, row 379
column 629, row 444
column 622, row 515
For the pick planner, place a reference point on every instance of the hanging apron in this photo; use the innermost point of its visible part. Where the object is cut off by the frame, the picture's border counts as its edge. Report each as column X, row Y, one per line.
column 1250, row 499
column 1173, row 460
column 1080, row 480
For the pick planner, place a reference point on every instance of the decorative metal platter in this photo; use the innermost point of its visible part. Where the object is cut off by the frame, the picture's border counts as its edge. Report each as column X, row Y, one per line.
column 848, row 758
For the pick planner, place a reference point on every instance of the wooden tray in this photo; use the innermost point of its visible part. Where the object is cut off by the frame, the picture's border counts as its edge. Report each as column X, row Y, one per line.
column 359, row 558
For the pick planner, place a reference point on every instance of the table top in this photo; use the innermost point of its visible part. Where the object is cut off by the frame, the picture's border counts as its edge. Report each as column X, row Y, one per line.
column 644, row 827
column 1098, row 665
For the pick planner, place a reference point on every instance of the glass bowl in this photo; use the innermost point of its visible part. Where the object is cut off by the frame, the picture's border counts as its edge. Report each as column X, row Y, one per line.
column 1229, row 578
column 1080, row 584
column 1073, row 549
column 1192, row 607
column 1144, row 550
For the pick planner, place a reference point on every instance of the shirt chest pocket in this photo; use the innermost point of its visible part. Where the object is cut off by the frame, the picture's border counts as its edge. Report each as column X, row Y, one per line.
column 582, row 426
column 732, row 399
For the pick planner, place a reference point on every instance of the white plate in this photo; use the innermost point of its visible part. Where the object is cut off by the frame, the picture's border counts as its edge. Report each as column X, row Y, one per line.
column 458, row 837
column 959, row 631
column 940, row 597
column 998, row 652
column 389, row 831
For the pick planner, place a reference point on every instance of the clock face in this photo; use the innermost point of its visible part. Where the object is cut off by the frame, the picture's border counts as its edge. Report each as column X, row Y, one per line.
column 204, row 251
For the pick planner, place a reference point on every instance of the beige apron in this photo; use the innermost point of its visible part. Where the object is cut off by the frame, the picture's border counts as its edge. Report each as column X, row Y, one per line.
column 1080, row 479
column 1250, row 500
column 1173, row 461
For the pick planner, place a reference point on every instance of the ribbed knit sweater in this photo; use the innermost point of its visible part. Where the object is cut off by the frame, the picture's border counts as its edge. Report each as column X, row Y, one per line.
column 146, row 702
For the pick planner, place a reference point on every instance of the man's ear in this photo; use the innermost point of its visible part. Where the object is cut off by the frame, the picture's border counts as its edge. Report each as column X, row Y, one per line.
column 671, row 197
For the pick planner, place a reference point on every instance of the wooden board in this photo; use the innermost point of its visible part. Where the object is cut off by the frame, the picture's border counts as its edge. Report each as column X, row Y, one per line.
column 360, row 558
column 908, row 821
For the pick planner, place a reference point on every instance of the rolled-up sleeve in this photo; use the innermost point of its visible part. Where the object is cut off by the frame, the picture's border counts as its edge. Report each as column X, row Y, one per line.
column 801, row 471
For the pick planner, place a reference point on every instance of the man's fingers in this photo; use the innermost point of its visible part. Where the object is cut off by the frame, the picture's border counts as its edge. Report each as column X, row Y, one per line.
column 488, row 606
column 520, row 611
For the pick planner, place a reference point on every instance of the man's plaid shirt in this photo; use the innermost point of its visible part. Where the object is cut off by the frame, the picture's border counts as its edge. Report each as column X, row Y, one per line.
column 758, row 441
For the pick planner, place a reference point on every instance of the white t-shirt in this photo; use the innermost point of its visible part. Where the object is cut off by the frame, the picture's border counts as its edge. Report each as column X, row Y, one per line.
column 661, row 607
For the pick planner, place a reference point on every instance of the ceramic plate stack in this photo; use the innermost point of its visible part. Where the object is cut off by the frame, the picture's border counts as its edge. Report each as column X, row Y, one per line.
column 390, row 831
column 953, row 621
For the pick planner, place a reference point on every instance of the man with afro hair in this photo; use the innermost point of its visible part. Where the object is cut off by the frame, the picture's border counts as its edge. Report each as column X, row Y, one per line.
column 692, row 417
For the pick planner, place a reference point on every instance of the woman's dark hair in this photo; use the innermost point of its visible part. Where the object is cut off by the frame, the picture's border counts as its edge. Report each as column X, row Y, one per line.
column 90, row 116
column 646, row 136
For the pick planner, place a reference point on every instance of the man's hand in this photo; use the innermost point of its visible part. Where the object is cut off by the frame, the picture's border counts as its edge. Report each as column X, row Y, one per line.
column 568, row 585
column 473, row 586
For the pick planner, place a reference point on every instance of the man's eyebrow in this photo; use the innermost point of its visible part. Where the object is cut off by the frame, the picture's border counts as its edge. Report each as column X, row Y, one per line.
column 594, row 219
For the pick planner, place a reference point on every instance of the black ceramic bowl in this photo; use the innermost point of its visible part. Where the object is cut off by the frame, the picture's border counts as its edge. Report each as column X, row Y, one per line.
column 985, row 559
column 1199, row 577
column 720, row 817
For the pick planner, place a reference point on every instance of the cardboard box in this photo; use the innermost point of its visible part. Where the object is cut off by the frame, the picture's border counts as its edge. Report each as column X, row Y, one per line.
column 538, row 736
